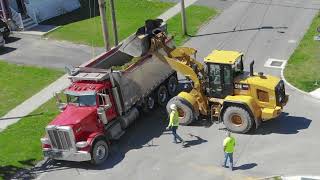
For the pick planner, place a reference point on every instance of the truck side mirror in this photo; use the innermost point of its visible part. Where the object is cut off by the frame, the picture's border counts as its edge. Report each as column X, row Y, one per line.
column 106, row 102
column 61, row 106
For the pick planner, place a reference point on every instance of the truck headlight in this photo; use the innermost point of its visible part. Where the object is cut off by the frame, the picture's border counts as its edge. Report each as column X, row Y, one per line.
column 82, row 144
column 45, row 140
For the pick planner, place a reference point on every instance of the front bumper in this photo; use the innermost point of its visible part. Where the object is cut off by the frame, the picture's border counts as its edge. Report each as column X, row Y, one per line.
column 77, row 156
column 270, row 113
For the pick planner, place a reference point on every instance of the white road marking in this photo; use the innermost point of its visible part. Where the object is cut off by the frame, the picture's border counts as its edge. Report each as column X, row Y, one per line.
column 271, row 61
column 292, row 41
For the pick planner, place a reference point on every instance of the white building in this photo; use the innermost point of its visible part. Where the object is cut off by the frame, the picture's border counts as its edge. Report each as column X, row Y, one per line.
column 28, row 13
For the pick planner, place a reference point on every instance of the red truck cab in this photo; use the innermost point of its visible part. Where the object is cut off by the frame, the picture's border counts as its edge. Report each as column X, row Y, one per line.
column 79, row 122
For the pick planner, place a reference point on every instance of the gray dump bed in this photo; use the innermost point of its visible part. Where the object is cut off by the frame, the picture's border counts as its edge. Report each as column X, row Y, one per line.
column 138, row 80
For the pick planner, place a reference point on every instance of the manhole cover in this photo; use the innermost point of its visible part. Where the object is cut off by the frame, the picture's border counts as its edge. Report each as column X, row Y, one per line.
column 275, row 63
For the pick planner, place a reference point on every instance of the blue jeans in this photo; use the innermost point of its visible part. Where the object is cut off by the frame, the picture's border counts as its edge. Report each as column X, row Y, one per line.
column 175, row 135
column 230, row 157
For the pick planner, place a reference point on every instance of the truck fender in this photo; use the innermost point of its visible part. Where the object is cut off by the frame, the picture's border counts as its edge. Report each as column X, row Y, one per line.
column 246, row 102
column 95, row 136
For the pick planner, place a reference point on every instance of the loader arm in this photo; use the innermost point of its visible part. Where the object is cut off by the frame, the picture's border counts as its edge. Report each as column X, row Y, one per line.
column 181, row 61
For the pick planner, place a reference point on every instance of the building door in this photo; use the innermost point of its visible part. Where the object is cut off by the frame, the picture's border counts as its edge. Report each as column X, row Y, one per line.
column 21, row 7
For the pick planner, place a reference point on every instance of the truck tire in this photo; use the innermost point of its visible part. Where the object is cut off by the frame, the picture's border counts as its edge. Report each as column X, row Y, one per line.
column 100, row 152
column 185, row 110
column 237, row 119
column 148, row 104
column 172, row 86
column 162, row 96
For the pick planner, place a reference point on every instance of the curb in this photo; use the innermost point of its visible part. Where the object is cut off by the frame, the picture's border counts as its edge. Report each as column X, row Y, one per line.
column 296, row 89
column 39, row 34
column 50, row 31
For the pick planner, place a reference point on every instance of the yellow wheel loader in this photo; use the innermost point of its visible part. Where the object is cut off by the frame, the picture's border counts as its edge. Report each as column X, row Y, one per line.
column 221, row 90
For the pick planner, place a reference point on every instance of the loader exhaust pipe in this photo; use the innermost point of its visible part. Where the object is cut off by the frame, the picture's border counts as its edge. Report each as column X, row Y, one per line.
column 251, row 68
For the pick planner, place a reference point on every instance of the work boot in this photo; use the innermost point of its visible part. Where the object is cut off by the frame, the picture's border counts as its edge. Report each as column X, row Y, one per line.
column 231, row 167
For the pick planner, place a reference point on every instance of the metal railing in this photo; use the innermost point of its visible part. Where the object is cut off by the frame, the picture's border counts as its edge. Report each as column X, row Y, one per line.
column 32, row 13
column 17, row 18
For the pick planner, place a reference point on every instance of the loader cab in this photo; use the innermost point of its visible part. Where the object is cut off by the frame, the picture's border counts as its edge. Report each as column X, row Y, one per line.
column 222, row 68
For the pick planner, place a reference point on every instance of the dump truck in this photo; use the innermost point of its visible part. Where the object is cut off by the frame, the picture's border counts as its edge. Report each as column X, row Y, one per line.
column 107, row 94
column 221, row 90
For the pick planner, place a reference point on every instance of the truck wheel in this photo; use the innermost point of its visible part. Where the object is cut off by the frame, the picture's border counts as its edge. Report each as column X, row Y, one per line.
column 100, row 152
column 237, row 119
column 172, row 85
column 148, row 104
column 162, row 96
column 184, row 108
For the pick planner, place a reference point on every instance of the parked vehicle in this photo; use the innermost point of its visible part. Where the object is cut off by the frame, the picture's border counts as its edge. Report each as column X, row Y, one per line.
column 101, row 102
column 4, row 29
column 2, row 41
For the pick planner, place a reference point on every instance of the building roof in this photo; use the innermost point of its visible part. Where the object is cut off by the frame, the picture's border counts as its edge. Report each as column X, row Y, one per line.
column 223, row 57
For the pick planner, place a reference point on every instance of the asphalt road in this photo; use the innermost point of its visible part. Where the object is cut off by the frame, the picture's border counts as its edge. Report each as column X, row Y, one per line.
column 288, row 145
column 21, row 49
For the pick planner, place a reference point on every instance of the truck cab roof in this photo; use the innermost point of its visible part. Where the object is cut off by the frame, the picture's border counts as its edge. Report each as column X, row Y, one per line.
column 93, row 86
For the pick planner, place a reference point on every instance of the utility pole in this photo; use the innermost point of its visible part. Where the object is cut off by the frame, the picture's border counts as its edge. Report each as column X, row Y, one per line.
column 183, row 18
column 114, row 23
column 105, row 32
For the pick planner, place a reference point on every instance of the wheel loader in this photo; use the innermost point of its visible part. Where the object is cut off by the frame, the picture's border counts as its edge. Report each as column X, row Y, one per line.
column 221, row 90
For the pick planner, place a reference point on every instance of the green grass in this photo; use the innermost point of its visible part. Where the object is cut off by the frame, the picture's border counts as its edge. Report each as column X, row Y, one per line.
column 196, row 17
column 303, row 68
column 130, row 14
column 20, row 143
column 19, row 82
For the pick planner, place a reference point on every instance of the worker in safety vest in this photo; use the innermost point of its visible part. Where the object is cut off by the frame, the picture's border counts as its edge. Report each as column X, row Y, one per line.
column 174, row 123
column 228, row 147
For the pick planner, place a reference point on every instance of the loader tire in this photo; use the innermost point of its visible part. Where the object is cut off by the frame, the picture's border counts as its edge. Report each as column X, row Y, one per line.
column 185, row 110
column 237, row 119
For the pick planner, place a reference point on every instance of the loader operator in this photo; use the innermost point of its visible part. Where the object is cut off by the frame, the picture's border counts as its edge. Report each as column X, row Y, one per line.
column 174, row 123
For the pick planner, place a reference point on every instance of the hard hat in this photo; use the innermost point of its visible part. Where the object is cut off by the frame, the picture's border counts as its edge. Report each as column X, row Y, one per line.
column 173, row 107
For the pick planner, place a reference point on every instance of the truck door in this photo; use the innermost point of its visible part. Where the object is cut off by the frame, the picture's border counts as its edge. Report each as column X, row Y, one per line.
column 106, row 101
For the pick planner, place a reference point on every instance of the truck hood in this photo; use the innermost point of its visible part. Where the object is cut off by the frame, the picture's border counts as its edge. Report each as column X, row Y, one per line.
column 74, row 115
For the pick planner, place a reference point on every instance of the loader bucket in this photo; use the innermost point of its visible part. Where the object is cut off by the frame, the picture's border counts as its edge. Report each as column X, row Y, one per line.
column 138, row 44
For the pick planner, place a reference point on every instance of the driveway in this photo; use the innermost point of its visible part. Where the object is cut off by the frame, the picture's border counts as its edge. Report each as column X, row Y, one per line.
column 32, row 50
column 262, row 29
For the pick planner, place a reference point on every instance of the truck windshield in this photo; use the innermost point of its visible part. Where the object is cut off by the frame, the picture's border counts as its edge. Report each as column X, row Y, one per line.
column 82, row 100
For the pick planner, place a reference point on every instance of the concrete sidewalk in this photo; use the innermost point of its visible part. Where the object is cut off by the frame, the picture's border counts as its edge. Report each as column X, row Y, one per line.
column 47, row 93
column 316, row 93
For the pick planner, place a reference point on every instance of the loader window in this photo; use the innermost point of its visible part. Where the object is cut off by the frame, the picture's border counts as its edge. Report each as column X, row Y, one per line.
column 238, row 67
column 220, row 80
column 215, row 78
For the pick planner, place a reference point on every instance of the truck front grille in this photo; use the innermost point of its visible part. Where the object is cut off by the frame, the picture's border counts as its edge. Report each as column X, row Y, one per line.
column 60, row 138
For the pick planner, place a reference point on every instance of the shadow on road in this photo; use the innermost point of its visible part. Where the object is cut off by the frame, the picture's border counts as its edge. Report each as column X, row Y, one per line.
column 240, row 30
column 12, row 39
column 285, row 124
column 198, row 140
column 246, row 166
column 5, row 50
